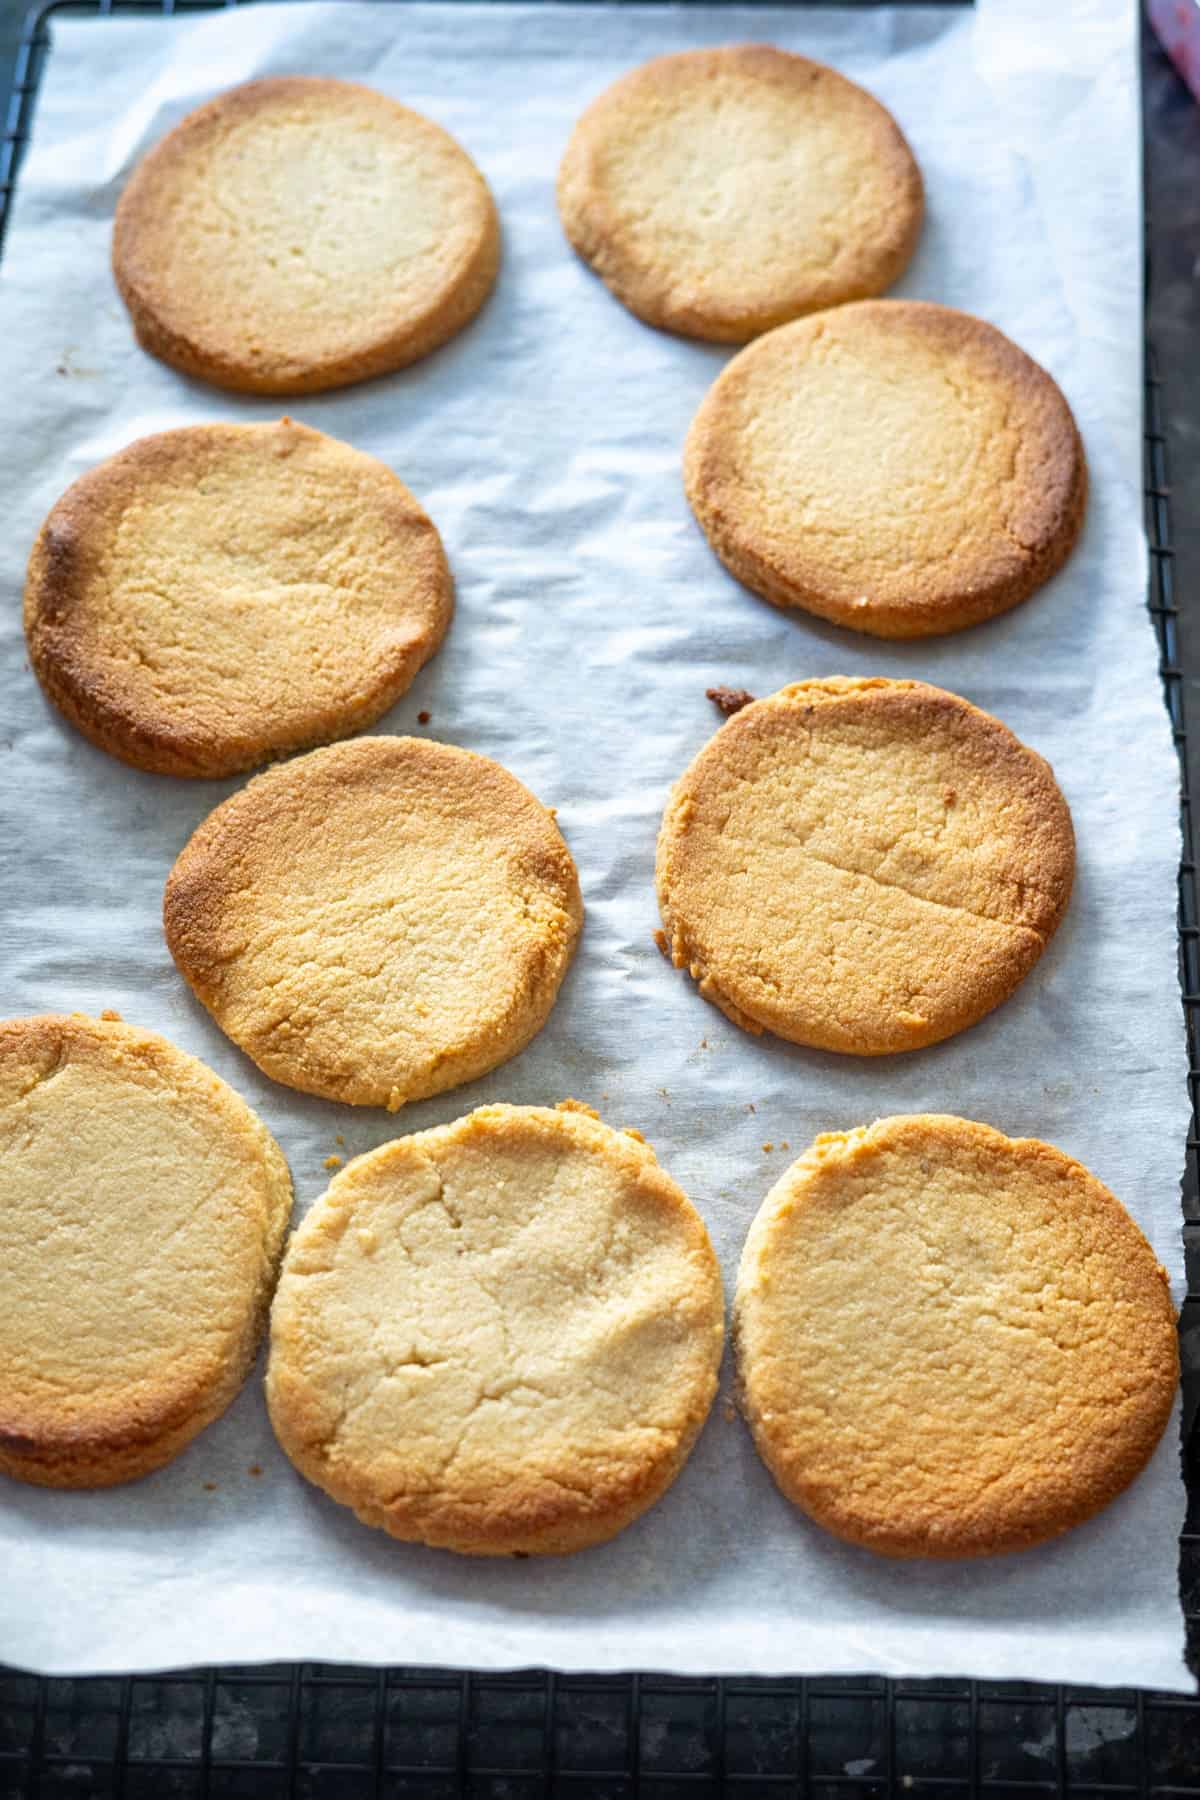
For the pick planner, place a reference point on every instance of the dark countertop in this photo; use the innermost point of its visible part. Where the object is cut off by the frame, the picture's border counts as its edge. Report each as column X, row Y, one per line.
column 1172, row 134
column 12, row 14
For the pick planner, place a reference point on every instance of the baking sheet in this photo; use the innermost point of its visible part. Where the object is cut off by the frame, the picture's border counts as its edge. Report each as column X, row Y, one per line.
column 591, row 617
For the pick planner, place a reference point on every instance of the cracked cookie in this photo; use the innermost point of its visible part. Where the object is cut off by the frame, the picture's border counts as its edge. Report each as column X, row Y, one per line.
column 500, row 1336
column 721, row 192
column 218, row 595
column 142, row 1212
column 300, row 233
column 377, row 921
column 863, row 866
column 950, row 1342
column 895, row 466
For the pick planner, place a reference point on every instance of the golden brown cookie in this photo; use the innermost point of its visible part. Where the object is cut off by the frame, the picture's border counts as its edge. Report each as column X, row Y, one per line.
column 500, row 1336
column 299, row 233
column 721, row 192
column 215, row 596
column 894, row 466
column 142, row 1211
column 864, row 866
column 950, row 1342
column 378, row 921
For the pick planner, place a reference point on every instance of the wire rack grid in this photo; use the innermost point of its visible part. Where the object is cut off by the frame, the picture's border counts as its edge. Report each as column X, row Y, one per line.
column 317, row 1732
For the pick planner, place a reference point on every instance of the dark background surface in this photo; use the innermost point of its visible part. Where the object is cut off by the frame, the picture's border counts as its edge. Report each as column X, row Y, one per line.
column 11, row 15
column 1172, row 152
column 326, row 1733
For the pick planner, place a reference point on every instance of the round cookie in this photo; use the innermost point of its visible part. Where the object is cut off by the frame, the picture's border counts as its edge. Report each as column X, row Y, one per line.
column 897, row 467
column 950, row 1342
column 721, row 192
column 218, row 595
column 377, row 921
column 500, row 1336
column 299, row 233
column 142, row 1214
column 863, row 866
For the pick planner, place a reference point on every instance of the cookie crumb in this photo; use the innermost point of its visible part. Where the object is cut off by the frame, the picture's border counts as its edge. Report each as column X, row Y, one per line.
column 210, row 1487
column 339, row 1139
column 729, row 700
column 729, row 1412
column 255, row 1469
column 784, row 1145
column 660, row 938
column 767, row 1148
column 333, row 1162
column 423, row 718
column 750, row 1106
column 577, row 1106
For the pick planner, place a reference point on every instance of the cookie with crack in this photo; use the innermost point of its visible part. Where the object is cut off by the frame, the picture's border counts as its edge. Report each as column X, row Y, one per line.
column 895, row 466
column 863, row 865
column 377, row 921
column 950, row 1342
column 142, row 1212
column 500, row 1336
column 721, row 192
column 299, row 233
column 215, row 596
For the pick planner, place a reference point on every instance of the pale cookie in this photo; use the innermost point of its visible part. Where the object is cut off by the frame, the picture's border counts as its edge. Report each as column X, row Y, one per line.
column 950, row 1342
column 299, row 233
column 500, row 1336
column 378, row 921
column 894, row 466
column 215, row 596
column 142, row 1211
column 721, row 192
column 863, row 866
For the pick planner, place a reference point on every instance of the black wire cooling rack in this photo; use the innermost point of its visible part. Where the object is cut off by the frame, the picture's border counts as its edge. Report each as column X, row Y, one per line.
column 317, row 1732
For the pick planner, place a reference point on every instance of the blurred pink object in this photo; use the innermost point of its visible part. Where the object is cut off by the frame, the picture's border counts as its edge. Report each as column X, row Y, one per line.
column 1177, row 23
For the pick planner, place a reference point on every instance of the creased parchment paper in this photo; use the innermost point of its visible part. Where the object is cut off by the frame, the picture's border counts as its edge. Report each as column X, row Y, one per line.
column 591, row 617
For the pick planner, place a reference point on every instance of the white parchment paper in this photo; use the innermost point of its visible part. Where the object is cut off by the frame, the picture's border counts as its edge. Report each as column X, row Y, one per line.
column 591, row 617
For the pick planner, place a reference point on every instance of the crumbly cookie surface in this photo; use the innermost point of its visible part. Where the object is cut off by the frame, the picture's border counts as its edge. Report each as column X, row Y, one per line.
column 499, row 1336
column 895, row 466
column 377, row 921
column 142, row 1211
column 950, row 1342
column 721, row 192
column 300, row 233
column 863, row 865
column 221, row 594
